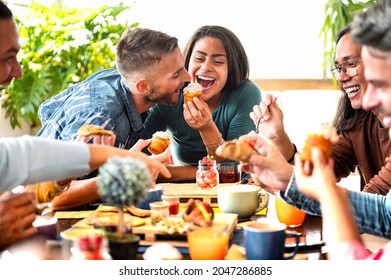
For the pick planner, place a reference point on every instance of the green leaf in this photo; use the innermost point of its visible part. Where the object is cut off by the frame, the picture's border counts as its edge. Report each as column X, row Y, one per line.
column 60, row 46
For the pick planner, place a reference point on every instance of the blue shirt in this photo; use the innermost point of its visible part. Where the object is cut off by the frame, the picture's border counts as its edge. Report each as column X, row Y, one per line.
column 372, row 212
column 232, row 117
column 102, row 99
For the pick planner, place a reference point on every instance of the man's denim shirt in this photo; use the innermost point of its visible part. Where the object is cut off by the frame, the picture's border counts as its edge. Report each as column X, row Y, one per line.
column 102, row 99
column 372, row 212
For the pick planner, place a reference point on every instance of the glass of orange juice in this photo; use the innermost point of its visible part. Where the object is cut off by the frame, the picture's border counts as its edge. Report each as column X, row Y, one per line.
column 288, row 214
column 208, row 243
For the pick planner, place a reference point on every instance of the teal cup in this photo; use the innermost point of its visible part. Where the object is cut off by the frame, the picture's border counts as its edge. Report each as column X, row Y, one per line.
column 267, row 241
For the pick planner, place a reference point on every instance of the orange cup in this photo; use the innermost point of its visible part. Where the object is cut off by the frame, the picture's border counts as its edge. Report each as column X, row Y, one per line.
column 289, row 215
column 208, row 243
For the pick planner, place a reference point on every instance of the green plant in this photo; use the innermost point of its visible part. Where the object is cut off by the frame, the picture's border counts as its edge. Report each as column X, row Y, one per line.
column 338, row 13
column 123, row 182
column 58, row 51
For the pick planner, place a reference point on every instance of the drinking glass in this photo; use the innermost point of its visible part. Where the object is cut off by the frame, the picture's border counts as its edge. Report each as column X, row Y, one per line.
column 288, row 214
column 229, row 172
column 208, row 243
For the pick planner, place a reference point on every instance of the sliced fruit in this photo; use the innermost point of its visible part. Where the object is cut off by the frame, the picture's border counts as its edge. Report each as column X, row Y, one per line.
column 206, row 210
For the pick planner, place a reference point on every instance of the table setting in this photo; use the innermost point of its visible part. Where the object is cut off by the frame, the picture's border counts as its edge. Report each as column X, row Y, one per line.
column 310, row 232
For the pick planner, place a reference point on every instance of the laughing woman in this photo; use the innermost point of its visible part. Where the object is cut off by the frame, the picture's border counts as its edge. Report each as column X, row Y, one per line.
column 216, row 59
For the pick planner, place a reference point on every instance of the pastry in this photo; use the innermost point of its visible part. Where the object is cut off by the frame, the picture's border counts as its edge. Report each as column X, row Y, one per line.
column 237, row 150
column 90, row 129
column 191, row 91
column 199, row 213
column 322, row 139
column 160, row 141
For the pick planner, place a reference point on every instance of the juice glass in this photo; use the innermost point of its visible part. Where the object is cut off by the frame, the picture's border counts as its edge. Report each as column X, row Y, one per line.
column 288, row 214
column 208, row 243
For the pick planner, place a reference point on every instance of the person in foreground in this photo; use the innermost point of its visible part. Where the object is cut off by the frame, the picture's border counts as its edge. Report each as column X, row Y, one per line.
column 369, row 213
column 29, row 159
column 363, row 140
column 339, row 226
column 215, row 59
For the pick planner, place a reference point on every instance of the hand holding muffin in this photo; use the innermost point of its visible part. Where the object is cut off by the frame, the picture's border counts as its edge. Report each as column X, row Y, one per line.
column 322, row 139
column 159, row 143
column 191, row 91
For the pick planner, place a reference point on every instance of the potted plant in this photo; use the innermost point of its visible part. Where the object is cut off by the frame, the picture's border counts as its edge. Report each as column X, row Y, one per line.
column 338, row 14
column 123, row 182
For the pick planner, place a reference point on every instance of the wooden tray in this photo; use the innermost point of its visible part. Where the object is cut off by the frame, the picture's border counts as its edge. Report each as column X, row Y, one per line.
column 185, row 191
column 149, row 234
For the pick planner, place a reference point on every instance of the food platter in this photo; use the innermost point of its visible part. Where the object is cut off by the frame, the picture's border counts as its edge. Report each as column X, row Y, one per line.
column 150, row 234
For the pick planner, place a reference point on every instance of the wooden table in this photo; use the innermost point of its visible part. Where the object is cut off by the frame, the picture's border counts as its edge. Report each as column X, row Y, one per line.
column 310, row 241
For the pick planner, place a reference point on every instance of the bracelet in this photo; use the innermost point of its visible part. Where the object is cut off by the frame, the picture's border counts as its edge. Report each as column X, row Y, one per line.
column 294, row 152
column 213, row 146
column 61, row 188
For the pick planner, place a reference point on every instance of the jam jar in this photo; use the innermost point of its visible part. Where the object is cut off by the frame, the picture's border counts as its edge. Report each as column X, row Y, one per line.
column 207, row 176
column 173, row 201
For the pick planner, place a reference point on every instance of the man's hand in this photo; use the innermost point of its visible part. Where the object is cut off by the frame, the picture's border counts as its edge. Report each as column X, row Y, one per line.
column 17, row 214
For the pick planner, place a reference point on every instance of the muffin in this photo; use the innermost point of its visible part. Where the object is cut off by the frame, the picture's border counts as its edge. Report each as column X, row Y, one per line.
column 191, row 91
column 160, row 141
column 322, row 139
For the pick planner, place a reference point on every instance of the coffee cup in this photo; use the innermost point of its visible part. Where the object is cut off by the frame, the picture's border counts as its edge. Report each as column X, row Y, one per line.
column 243, row 200
column 46, row 226
column 267, row 241
column 153, row 195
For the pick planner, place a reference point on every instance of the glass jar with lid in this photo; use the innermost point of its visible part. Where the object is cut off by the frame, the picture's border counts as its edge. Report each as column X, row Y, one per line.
column 207, row 176
column 159, row 211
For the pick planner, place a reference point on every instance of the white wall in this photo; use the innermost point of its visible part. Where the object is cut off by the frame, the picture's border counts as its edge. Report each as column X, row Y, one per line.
column 281, row 37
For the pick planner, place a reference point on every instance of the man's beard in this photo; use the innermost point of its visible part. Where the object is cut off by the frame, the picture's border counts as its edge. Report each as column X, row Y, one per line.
column 165, row 98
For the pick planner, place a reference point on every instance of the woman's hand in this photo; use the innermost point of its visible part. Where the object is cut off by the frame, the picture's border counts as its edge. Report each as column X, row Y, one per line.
column 268, row 117
column 197, row 114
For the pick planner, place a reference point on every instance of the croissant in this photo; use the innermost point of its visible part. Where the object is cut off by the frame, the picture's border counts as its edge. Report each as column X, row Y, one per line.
column 236, row 150
column 198, row 213
column 90, row 129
